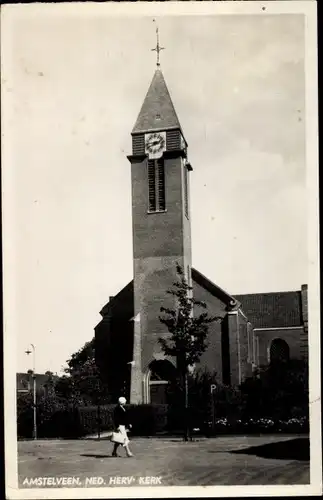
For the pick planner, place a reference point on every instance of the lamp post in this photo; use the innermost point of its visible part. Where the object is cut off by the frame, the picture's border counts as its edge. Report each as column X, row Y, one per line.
column 32, row 351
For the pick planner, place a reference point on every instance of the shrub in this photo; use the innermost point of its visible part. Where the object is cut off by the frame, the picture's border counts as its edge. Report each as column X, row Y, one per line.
column 25, row 415
column 295, row 425
column 47, row 408
column 229, row 402
column 274, row 401
column 91, row 417
column 148, row 419
column 278, row 391
column 261, row 426
column 75, row 422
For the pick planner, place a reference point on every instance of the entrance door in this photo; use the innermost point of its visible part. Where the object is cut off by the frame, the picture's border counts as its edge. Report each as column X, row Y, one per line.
column 158, row 391
column 161, row 373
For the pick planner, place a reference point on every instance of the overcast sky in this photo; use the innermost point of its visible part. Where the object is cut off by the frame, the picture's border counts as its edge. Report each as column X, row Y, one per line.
column 76, row 85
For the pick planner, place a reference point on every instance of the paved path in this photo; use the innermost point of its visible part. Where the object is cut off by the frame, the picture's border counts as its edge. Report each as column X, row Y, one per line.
column 234, row 460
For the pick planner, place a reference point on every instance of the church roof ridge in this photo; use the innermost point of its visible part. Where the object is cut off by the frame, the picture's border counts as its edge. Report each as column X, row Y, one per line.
column 157, row 111
column 267, row 294
column 214, row 289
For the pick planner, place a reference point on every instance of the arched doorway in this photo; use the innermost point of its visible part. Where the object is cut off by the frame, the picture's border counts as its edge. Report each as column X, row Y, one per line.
column 160, row 373
column 279, row 351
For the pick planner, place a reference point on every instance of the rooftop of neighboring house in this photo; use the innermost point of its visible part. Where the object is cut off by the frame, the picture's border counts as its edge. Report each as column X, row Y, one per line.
column 23, row 379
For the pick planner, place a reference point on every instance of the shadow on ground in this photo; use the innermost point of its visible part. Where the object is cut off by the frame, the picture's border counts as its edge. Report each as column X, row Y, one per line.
column 293, row 449
column 91, row 455
column 103, row 438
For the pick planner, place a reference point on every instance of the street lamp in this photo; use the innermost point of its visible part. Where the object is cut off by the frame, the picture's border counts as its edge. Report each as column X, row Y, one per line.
column 32, row 351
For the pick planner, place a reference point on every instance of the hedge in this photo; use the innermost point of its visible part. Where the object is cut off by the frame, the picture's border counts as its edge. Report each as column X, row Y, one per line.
column 68, row 423
column 147, row 420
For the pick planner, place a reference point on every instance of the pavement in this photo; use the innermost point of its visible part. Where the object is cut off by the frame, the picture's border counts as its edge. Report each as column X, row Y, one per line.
column 225, row 460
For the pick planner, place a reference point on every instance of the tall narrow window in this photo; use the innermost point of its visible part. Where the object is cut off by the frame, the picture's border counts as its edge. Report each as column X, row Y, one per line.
column 279, row 351
column 152, row 185
column 186, row 191
column 161, row 184
column 156, row 185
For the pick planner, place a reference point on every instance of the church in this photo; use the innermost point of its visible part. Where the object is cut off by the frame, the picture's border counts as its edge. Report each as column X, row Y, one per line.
column 254, row 328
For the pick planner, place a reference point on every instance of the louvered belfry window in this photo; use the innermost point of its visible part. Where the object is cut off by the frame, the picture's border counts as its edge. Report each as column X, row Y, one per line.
column 152, row 185
column 173, row 140
column 161, row 184
column 156, row 185
column 138, row 144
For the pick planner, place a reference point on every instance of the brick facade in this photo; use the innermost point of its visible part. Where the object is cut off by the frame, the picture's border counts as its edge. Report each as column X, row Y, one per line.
column 212, row 358
column 234, row 346
column 264, row 338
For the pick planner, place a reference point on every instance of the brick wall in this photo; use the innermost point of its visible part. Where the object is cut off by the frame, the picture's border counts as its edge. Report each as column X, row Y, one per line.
column 157, row 234
column 153, row 277
column 212, row 357
column 114, row 341
column 244, row 346
column 264, row 339
column 234, row 348
column 160, row 241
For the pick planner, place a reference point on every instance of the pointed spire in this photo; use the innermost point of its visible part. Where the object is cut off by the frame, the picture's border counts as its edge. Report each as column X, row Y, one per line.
column 157, row 111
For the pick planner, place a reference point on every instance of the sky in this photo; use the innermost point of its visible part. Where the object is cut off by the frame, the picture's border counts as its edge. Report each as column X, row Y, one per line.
column 75, row 86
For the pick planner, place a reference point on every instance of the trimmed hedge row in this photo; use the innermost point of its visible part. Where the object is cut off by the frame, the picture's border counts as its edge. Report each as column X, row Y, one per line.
column 147, row 420
column 69, row 422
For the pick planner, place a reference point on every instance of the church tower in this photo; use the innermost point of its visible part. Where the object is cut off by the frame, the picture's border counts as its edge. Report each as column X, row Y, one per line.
column 161, row 224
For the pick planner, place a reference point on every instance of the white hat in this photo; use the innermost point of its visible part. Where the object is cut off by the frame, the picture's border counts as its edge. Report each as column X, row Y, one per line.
column 122, row 401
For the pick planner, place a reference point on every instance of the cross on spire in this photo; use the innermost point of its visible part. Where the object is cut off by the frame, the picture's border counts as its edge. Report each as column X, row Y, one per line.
column 158, row 48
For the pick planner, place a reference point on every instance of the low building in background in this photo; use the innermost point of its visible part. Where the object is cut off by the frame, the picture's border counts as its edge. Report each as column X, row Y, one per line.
column 24, row 382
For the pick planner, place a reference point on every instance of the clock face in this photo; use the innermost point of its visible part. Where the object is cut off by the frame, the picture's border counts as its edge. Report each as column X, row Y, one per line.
column 154, row 143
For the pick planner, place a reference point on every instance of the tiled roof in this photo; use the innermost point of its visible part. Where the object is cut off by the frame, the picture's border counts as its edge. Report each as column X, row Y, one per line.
column 272, row 310
column 157, row 111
